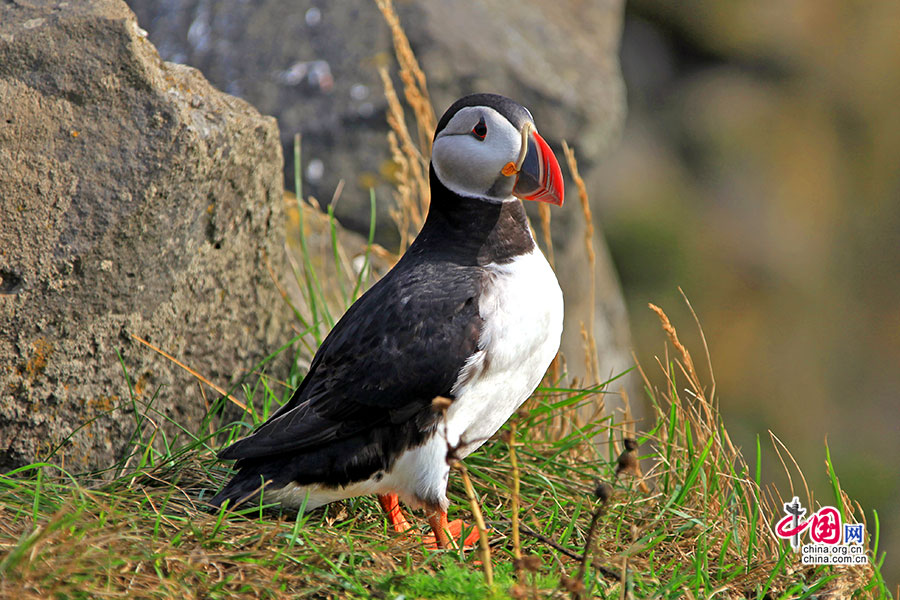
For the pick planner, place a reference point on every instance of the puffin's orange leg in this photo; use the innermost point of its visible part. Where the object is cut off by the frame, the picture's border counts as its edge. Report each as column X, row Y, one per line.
column 446, row 533
column 440, row 527
column 391, row 505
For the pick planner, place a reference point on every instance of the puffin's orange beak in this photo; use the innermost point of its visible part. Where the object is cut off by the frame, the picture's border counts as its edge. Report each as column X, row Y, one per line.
column 539, row 176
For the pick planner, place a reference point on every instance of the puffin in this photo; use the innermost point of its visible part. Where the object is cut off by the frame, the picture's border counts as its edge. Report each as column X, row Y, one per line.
column 471, row 313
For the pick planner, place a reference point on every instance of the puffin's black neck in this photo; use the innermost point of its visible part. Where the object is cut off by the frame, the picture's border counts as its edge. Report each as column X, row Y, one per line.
column 472, row 231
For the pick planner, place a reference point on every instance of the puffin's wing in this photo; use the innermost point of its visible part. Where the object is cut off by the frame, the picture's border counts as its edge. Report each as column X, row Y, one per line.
column 399, row 346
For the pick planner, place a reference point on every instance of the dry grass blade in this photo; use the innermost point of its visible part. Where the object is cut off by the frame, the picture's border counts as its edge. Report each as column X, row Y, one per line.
column 414, row 82
column 712, row 375
column 484, row 547
column 410, row 155
column 514, row 508
column 413, row 192
column 592, row 355
column 779, row 446
column 673, row 338
column 235, row 401
column 686, row 361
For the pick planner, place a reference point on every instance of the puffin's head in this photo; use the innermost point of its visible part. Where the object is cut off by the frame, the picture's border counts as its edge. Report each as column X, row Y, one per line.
column 486, row 146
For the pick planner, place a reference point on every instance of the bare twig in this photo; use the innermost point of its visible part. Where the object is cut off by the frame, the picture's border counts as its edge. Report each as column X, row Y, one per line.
column 237, row 402
column 514, row 462
column 441, row 404
column 483, row 546
column 606, row 571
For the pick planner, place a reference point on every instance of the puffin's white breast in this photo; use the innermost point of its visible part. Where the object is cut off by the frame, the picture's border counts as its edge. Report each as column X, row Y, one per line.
column 522, row 309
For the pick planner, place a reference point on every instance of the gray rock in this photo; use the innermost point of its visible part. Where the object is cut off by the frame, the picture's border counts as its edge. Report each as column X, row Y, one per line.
column 314, row 66
column 135, row 199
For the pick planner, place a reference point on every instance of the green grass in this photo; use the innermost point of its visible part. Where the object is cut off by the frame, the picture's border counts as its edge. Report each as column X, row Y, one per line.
column 139, row 528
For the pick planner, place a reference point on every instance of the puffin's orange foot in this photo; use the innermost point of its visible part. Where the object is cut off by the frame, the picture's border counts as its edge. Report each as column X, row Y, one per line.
column 447, row 535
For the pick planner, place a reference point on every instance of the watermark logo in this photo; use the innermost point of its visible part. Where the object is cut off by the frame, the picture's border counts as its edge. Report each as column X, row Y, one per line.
column 831, row 542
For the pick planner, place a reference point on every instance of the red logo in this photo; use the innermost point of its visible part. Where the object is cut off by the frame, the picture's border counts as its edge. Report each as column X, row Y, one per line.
column 824, row 525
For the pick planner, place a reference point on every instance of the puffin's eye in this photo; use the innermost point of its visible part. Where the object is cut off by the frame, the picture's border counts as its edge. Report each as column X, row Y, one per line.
column 480, row 130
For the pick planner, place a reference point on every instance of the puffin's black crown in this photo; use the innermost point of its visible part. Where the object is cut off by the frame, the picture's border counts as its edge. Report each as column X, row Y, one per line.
column 512, row 110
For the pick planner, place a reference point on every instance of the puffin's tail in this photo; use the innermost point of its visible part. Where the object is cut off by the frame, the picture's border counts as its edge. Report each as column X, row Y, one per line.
column 246, row 484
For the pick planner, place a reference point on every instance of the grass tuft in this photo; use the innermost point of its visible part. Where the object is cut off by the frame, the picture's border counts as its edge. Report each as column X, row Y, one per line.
column 700, row 529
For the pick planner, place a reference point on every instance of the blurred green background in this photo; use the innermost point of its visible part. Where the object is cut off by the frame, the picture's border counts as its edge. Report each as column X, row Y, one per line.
column 760, row 171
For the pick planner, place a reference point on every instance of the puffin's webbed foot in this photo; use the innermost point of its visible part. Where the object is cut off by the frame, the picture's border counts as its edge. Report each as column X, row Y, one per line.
column 449, row 535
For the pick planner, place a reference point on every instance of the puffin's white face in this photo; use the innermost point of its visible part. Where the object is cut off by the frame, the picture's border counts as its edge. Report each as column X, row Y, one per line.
column 470, row 153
